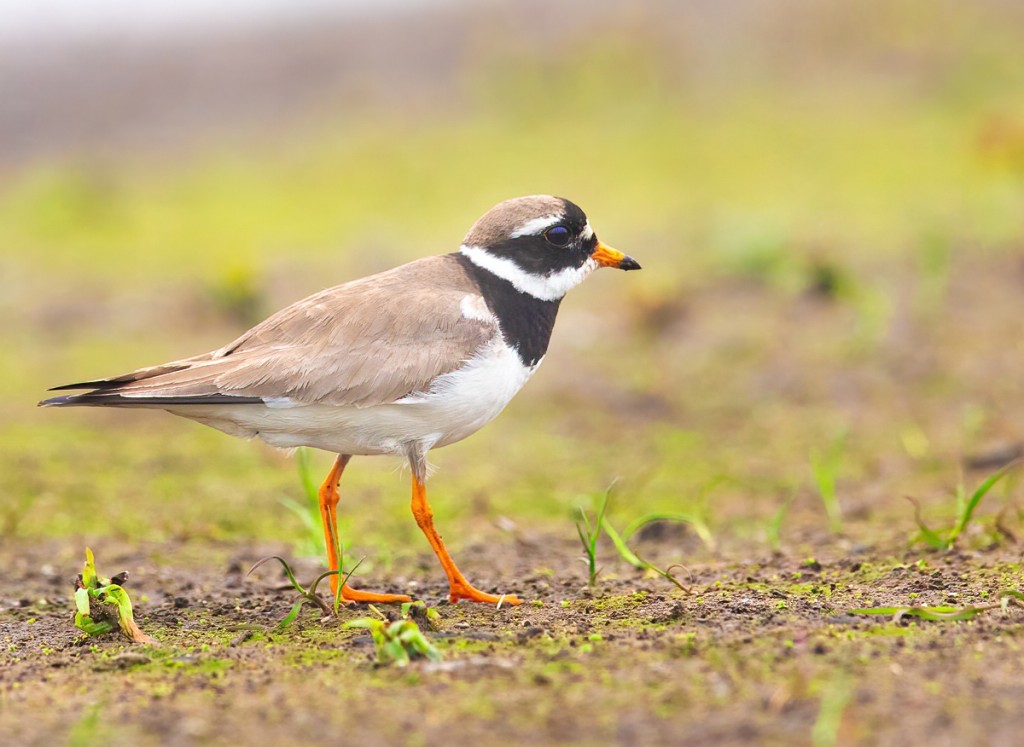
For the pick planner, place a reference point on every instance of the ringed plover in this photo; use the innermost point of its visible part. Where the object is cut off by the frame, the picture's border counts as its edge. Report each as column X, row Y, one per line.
column 399, row 362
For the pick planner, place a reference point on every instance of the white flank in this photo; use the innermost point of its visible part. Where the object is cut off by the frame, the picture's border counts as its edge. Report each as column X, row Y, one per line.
column 475, row 308
column 458, row 404
column 545, row 287
column 536, row 226
column 463, row 401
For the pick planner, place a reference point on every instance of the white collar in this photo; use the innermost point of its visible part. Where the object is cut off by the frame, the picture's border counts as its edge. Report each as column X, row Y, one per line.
column 549, row 287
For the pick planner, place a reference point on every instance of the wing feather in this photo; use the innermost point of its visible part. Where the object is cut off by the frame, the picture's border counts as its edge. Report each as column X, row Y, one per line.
column 367, row 342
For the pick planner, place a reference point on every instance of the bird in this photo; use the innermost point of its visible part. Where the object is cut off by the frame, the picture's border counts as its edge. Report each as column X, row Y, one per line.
column 399, row 362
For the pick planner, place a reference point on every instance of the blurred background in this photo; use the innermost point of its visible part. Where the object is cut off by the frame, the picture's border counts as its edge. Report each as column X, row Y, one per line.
column 827, row 199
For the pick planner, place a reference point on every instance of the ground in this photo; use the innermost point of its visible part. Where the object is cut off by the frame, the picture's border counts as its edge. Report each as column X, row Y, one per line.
column 755, row 652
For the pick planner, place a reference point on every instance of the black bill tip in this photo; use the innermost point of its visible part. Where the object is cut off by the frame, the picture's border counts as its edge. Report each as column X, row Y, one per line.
column 628, row 263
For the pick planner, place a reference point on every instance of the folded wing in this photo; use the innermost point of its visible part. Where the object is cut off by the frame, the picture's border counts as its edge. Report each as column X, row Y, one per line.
column 368, row 342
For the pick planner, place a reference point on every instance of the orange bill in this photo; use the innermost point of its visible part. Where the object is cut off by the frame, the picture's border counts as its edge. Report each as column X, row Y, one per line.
column 608, row 257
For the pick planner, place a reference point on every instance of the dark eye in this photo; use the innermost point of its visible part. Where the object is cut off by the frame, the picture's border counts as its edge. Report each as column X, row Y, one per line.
column 558, row 235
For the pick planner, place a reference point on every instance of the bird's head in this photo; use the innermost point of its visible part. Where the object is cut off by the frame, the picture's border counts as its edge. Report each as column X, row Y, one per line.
column 542, row 245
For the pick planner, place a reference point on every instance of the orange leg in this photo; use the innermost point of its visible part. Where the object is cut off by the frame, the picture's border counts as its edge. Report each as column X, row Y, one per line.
column 459, row 587
column 328, row 513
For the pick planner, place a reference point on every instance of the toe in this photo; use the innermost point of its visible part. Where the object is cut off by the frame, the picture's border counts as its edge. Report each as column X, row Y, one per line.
column 475, row 595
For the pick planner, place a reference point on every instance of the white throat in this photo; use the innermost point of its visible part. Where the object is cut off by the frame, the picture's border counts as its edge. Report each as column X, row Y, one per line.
column 545, row 287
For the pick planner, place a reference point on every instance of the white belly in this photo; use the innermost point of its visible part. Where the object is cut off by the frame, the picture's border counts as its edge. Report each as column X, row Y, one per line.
column 457, row 405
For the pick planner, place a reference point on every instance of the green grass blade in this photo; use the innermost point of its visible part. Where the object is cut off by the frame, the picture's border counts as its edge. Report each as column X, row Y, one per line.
column 620, row 544
column 292, row 614
column 825, row 470
column 972, row 503
column 302, row 512
column 698, row 524
column 925, row 534
column 582, row 536
column 934, row 614
column 321, row 577
column 585, row 522
column 309, row 486
column 601, row 510
column 938, row 614
column 635, row 560
column 834, row 700
column 287, row 570
column 773, row 531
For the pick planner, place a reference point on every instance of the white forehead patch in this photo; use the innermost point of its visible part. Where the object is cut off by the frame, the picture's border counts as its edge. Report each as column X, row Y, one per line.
column 536, row 226
column 588, row 232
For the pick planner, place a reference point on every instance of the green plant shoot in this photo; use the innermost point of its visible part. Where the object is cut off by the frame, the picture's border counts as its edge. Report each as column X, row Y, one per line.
column 401, row 641
column 589, row 532
column 825, row 470
column 90, row 587
column 965, row 510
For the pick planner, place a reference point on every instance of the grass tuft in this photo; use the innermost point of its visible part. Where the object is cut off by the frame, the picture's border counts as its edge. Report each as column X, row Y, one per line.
column 589, row 532
column 306, row 595
column 966, row 506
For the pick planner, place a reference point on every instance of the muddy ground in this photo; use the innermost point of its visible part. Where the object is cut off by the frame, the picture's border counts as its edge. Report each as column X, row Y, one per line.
column 755, row 652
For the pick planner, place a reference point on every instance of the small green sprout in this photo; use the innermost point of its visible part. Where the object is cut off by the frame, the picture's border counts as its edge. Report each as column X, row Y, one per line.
column 306, row 596
column 825, row 470
column 91, row 586
column 773, row 530
column 635, row 560
column 401, row 641
column 589, row 532
column 966, row 506
column 419, row 610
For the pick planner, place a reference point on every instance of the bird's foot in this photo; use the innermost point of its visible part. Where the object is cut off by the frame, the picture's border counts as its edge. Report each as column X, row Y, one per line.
column 348, row 594
column 465, row 591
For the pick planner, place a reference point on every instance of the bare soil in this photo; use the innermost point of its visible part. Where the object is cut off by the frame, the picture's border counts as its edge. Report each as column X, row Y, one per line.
column 761, row 651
